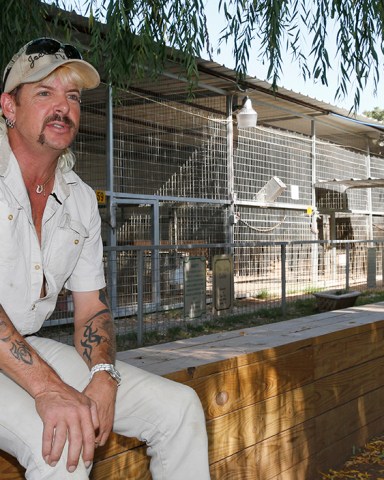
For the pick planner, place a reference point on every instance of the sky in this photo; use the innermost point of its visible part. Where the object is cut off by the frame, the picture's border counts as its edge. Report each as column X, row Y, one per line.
column 291, row 78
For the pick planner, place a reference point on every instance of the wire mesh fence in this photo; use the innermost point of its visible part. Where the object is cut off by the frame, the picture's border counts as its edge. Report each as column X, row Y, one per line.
column 157, row 288
column 203, row 219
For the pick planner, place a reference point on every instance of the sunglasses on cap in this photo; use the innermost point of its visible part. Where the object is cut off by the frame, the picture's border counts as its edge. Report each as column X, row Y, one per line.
column 50, row 46
column 45, row 46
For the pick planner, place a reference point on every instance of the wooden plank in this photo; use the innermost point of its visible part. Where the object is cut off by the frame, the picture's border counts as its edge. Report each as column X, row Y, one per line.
column 273, row 456
column 188, row 375
column 240, row 429
column 183, row 357
column 344, row 386
column 206, row 359
column 305, row 470
column 234, row 389
column 344, row 420
column 10, row 469
column 133, row 464
column 338, row 353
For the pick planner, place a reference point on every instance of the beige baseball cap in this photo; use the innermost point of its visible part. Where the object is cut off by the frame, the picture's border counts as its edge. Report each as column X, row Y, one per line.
column 40, row 57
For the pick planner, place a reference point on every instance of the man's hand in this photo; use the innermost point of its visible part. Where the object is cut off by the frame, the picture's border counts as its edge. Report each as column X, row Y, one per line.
column 67, row 413
column 102, row 390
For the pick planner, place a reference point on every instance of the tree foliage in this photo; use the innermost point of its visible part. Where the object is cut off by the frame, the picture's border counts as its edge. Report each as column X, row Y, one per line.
column 377, row 113
column 135, row 37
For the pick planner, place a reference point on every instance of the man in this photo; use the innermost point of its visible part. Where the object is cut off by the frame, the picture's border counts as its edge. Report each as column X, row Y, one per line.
column 58, row 403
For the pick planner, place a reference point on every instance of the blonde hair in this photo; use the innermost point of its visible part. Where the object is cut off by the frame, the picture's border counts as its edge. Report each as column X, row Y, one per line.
column 66, row 160
column 68, row 74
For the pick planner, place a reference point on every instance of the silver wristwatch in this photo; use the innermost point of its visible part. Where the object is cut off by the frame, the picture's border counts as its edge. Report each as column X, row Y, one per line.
column 106, row 367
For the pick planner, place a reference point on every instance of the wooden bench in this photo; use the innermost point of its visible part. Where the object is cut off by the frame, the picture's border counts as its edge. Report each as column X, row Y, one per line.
column 286, row 400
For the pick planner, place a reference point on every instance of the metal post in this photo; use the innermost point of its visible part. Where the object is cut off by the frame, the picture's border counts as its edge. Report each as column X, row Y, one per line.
column 369, row 194
column 347, row 266
column 140, row 296
column 283, row 279
column 111, row 241
column 155, row 254
column 315, row 246
column 230, row 172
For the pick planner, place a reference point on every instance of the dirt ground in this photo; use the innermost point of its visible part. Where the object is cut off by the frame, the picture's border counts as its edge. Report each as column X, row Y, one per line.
column 368, row 464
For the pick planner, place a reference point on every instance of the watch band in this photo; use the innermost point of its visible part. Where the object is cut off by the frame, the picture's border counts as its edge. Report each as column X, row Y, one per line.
column 106, row 367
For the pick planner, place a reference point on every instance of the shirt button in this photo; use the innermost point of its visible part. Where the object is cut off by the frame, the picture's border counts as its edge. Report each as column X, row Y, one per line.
column 76, row 242
column 37, row 267
column 33, row 306
column 10, row 216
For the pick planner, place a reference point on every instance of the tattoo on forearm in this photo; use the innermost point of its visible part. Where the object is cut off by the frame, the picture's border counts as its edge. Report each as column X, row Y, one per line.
column 91, row 338
column 99, row 329
column 98, row 314
column 21, row 351
column 19, row 348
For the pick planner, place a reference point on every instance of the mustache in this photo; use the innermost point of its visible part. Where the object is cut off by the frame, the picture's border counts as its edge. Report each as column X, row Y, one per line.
column 58, row 118
column 54, row 118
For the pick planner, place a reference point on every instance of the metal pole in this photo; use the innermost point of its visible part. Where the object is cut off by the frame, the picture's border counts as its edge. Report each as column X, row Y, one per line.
column 155, row 254
column 347, row 266
column 369, row 194
column 230, row 172
column 111, row 241
column 315, row 247
column 140, row 306
column 283, row 279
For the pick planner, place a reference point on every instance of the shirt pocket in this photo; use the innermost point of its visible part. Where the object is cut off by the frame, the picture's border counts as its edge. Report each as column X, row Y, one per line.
column 11, row 234
column 66, row 245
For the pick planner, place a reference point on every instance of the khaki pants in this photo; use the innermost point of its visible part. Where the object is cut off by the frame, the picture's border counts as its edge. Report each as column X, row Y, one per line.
column 166, row 415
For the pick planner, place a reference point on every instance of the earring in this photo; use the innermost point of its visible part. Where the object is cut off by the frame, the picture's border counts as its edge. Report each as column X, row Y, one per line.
column 10, row 123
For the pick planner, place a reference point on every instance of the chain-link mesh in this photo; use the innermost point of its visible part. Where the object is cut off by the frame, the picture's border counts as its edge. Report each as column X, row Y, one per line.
column 179, row 183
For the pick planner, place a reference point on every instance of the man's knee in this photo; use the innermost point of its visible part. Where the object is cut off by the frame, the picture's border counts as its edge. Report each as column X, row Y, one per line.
column 190, row 405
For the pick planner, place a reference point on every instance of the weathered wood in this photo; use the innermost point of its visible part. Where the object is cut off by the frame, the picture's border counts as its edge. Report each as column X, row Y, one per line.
column 238, row 430
column 355, row 346
column 282, row 401
column 269, row 458
column 250, row 384
column 344, row 386
column 10, row 468
column 135, row 466
column 344, row 420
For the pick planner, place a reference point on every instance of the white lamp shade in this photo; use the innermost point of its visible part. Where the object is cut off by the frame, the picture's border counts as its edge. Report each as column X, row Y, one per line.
column 246, row 117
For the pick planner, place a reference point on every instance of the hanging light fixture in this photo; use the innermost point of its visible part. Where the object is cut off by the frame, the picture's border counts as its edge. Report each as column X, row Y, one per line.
column 246, row 116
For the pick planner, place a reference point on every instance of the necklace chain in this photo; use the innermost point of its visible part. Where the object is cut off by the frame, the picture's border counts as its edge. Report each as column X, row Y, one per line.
column 40, row 187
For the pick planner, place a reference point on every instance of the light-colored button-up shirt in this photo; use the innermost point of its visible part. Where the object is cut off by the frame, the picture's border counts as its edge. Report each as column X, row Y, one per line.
column 71, row 249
